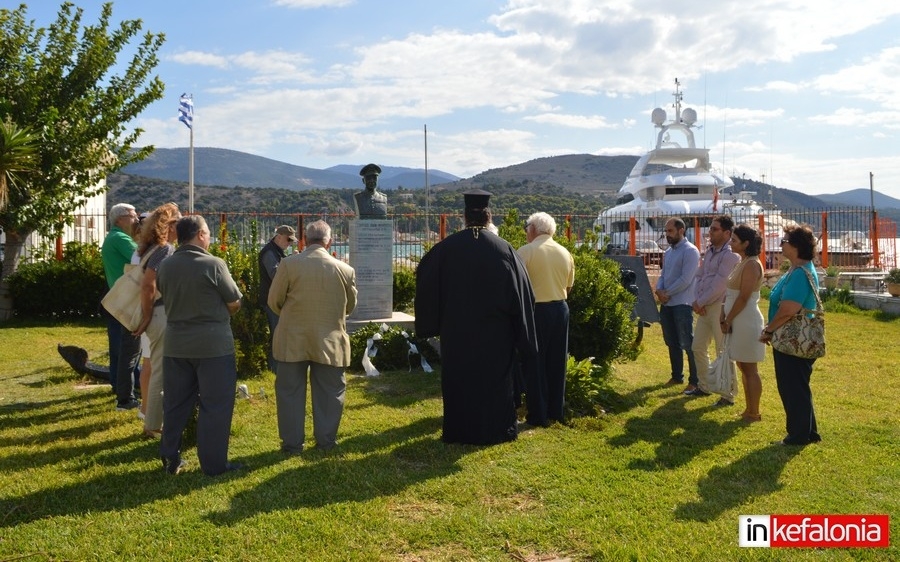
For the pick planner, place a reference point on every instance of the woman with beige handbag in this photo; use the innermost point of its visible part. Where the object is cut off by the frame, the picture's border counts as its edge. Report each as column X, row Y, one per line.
column 156, row 244
column 795, row 293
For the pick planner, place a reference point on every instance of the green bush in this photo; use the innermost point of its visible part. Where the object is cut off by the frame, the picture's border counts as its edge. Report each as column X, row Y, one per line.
column 249, row 324
column 404, row 288
column 69, row 288
column 584, row 384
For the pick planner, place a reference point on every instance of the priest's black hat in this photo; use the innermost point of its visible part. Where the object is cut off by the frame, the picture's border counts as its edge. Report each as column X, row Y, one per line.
column 370, row 170
column 476, row 199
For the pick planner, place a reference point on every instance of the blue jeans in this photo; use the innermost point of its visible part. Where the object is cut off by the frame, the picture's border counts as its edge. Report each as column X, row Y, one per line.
column 114, row 335
column 114, row 331
column 678, row 332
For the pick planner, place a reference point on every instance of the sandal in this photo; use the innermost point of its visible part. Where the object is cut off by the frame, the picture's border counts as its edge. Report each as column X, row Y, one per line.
column 151, row 434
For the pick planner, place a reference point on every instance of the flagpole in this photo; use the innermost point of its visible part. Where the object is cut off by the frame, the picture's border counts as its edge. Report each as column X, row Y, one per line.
column 186, row 116
column 426, row 184
column 191, row 175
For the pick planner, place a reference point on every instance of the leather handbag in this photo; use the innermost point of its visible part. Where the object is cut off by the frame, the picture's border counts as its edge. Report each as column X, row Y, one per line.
column 804, row 334
column 123, row 301
column 722, row 376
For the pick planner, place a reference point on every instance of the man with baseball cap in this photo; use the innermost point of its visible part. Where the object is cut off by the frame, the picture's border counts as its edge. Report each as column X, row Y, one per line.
column 269, row 258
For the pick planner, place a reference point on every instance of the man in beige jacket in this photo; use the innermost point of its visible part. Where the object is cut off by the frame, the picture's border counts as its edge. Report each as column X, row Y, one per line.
column 312, row 293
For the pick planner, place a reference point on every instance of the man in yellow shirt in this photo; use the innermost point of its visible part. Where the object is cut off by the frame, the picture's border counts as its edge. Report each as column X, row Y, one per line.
column 551, row 270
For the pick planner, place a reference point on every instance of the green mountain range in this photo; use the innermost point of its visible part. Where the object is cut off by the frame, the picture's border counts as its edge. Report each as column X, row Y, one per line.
column 228, row 180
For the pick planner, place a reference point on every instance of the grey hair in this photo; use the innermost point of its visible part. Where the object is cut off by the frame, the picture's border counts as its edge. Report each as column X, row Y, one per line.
column 118, row 211
column 543, row 223
column 318, row 232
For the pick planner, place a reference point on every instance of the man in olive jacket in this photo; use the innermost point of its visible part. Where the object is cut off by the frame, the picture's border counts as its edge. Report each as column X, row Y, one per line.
column 313, row 293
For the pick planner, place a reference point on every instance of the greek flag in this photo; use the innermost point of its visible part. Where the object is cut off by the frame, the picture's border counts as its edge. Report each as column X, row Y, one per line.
column 186, row 111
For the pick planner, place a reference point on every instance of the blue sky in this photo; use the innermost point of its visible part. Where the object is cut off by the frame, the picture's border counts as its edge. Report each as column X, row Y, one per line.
column 799, row 93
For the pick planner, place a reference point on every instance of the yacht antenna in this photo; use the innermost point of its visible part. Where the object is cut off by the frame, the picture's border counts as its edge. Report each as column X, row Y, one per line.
column 677, row 93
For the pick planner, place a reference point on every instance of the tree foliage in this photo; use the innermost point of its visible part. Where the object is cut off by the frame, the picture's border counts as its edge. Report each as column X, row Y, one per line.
column 18, row 156
column 58, row 81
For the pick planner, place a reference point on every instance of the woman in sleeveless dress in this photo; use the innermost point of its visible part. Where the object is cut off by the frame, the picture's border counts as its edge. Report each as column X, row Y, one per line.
column 741, row 317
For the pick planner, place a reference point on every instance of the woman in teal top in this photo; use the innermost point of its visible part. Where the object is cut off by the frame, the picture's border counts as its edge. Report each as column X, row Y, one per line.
column 792, row 374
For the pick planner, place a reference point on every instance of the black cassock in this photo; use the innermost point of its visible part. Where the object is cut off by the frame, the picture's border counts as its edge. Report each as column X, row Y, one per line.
column 473, row 291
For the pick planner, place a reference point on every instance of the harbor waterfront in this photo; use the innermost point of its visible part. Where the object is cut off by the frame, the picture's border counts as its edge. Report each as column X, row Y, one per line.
column 845, row 227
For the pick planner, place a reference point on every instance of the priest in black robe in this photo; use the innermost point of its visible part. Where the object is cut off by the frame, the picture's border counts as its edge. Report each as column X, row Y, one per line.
column 472, row 291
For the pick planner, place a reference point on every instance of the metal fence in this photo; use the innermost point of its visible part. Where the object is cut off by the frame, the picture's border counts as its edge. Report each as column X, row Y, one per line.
column 850, row 238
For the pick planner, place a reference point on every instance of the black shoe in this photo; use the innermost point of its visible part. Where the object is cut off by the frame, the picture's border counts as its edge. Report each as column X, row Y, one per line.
column 232, row 466
column 130, row 405
column 724, row 402
column 174, row 465
column 696, row 392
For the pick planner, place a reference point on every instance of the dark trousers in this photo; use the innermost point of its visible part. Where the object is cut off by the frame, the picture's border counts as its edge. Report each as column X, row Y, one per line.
column 114, row 331
column 792, row 374
column 211, row 382
column 545, row 384
column 272, row 319
column 678, row 332
column 127, row 373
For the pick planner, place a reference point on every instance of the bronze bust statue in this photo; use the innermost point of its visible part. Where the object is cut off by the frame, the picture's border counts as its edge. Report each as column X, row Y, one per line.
column 370, row 203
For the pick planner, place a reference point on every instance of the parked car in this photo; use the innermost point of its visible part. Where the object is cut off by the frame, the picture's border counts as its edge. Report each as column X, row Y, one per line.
column 648, row 249
column 653, row 254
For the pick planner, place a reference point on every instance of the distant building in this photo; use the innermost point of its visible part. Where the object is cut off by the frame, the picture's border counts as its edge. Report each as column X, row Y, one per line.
column 89, row 225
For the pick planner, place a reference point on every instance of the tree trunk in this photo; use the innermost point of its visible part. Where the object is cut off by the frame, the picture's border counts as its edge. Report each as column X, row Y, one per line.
column 11, row 252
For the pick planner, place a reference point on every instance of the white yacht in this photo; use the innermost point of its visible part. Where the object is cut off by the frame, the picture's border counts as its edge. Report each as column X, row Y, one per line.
column 676, row 179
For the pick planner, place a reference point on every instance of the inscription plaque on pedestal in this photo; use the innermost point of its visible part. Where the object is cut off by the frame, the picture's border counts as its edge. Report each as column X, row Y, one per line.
column 371, row 255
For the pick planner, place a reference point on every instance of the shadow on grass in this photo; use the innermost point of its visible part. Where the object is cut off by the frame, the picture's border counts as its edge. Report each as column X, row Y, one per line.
column 398, row 389
column 729, row 486
column 322, row 478
column 616, row 403
column 27, row 414
column 105, row 492
column 64, row 436
column 680, row 434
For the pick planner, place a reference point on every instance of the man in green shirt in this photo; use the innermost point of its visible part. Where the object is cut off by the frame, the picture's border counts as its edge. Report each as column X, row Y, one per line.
column 124, row 348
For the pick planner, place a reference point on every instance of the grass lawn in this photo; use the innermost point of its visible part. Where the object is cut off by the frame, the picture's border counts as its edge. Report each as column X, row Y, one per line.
column 661, row 477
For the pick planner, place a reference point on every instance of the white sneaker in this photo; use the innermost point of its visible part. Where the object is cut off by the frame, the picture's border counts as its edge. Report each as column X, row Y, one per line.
column 140, row 415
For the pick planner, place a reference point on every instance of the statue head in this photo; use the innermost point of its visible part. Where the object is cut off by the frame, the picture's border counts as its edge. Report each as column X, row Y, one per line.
column 369, row 175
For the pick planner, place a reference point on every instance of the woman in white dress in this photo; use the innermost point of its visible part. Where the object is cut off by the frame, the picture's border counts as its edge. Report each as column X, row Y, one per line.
column 741, row 316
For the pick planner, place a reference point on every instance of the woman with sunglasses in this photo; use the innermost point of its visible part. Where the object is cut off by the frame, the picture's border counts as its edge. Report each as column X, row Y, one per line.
column 792, row 374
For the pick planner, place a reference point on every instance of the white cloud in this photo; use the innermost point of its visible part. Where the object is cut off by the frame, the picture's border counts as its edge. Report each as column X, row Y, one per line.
column 876, row 79
column 501, row 90
column 573, row 121
column 198, row 58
